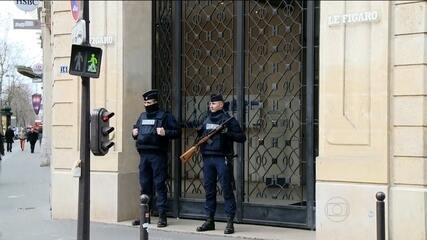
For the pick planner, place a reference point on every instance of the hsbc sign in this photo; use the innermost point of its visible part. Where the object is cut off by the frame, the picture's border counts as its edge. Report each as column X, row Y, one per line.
column 27, row 5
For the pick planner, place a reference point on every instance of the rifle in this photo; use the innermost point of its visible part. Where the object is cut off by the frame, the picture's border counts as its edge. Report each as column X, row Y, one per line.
column 185, row 157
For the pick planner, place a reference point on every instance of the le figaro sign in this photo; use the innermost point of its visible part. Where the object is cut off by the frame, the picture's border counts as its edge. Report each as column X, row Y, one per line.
column 352, row 18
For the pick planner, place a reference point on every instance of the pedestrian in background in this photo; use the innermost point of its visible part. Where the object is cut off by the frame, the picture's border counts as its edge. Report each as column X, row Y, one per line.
column 40, row 132
column 22, row 137
column 152, row 132
column 1, row 145
column 32, row 138
column 10, row 134
column 217, row 162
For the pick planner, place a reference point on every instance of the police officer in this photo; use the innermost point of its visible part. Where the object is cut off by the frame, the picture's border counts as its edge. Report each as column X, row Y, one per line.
column 152, row 132
column 217, row 162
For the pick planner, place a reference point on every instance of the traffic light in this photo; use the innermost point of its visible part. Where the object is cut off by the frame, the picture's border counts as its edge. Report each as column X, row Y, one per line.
column 85, row 61
column 99, row 131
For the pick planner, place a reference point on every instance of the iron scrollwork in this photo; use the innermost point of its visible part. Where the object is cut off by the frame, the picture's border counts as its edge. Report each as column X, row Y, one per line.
column 274, row 96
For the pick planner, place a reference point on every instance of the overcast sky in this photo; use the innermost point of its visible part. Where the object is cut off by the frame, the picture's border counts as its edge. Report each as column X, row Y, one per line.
column 26, row 39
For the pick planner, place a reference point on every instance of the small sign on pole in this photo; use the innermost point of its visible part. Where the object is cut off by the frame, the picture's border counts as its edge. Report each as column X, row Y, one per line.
column 78, row 33
column 85, row 61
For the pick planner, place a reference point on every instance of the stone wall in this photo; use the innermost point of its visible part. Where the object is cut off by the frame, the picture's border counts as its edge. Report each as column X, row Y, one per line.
column 125, row 74
column 353, row 161
column 408, row 195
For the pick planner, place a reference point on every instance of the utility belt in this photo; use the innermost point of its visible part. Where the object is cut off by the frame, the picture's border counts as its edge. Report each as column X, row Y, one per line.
column 229, row 157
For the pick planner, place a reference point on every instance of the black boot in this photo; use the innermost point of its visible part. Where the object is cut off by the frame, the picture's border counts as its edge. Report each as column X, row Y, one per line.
column 208, row 225
column 163, row 221
column 136, row 222
column 229, row 229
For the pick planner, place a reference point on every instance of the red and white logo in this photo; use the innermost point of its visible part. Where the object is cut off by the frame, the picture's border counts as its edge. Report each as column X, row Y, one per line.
column 76, row 9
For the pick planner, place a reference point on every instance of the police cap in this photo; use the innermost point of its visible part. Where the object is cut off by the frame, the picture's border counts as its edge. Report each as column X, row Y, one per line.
column 216, row 98
column 152, row 94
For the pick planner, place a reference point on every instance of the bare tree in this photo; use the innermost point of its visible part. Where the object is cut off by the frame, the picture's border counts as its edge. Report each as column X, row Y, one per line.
column 18, row 95
column 4, row 68
column 10, row 53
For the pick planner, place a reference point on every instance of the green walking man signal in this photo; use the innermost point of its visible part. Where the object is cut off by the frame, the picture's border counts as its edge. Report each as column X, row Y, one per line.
column 85, row 61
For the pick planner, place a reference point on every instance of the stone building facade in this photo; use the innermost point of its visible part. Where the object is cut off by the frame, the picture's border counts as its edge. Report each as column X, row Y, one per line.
column 368, row 117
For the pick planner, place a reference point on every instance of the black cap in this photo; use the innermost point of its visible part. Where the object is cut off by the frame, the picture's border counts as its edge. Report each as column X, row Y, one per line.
column 152, row 94
column 216, row 98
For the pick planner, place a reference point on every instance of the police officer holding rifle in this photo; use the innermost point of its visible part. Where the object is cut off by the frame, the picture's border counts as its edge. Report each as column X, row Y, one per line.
column 220, row 131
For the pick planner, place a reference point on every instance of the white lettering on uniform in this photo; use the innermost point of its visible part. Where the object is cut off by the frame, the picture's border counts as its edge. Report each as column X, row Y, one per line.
column 148, row 122
column 211, row 126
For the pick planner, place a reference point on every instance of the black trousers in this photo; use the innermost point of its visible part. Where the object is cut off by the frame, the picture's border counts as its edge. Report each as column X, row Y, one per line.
column 33, row 144
column 9, row 147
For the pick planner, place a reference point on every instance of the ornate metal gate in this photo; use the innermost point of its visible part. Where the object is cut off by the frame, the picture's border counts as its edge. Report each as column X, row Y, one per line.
column 260, row 56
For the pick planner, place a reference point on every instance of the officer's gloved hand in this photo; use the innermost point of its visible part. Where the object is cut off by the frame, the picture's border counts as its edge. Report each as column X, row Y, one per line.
column 227, row 133
column 224, row 131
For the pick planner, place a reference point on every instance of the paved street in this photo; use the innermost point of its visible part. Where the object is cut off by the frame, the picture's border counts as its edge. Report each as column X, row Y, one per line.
column 25, row 211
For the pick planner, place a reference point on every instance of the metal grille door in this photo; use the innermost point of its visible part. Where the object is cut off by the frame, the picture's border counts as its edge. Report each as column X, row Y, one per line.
column 260, row 55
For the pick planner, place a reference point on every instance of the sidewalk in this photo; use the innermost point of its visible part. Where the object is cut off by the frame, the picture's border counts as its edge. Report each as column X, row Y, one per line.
column 25, row 212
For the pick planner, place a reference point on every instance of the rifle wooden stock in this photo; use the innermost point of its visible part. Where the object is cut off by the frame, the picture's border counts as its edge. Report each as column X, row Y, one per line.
column 189, row 154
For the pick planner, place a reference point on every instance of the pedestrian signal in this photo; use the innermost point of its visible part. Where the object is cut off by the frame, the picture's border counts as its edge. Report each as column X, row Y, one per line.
column 99, row 131
column 85, row 61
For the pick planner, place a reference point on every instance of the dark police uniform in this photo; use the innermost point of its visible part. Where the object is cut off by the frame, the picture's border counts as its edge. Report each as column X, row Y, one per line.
column 217, row 156
column 152, row 149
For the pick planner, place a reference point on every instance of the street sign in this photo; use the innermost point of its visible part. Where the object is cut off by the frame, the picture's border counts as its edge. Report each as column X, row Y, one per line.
column 26, row 24
column 27, row 5
column 85, row 61
column 76, row 9
column 37, row 68
column 63, row 69
column 78, row 33
column 36, row 99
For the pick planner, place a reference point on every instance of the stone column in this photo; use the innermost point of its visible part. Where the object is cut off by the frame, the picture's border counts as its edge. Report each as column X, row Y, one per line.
column 408, row 208
column 353, row 161
column 47, row 86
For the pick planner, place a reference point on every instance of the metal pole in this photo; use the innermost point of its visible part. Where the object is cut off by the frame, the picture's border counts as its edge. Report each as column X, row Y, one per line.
column 380, row 216
column 309, row 113
column 239, row 86
column 177, row 82
column 144, row 216
column 83, row 222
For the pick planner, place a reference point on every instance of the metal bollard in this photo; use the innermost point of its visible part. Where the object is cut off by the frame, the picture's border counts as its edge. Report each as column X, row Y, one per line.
column 144, row 217
column 380, row 216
